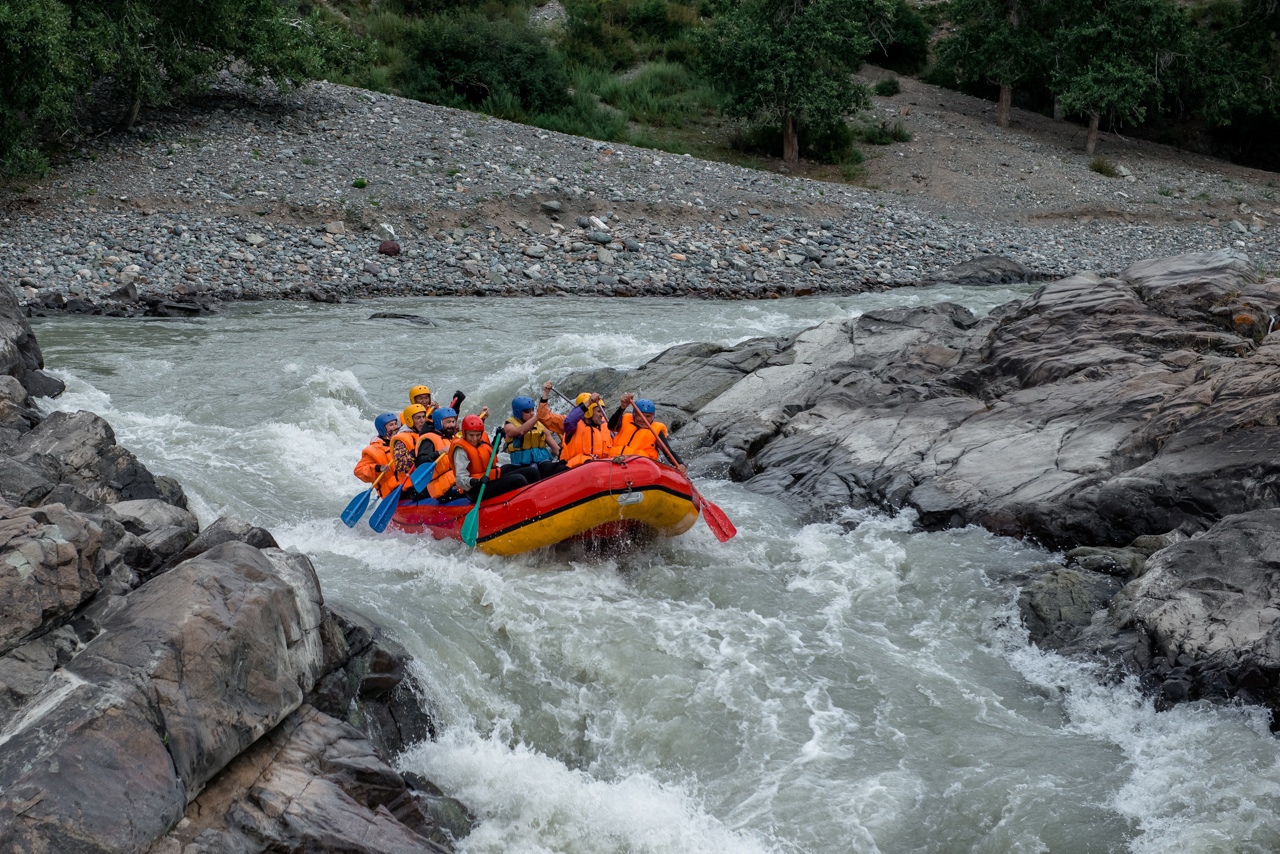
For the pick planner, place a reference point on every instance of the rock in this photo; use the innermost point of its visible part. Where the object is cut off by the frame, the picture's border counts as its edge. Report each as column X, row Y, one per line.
column 601, row 237
column 371, row 267
column 535, row 250
column 389, row 247
column 194, row 667
column 225, row 529
column 1202, row 622
column 551, row 206
column 20, row 355
column 319, row 295
column 984, row 270
column 80, row 448
column 384, row 232
column 335, row 227
column 255, row 240
column 1125, row 564
column 49, row 567
column 151, row 514
column 1093, row 412
column 415, row 319
column 312, row 784
column 1057, row 604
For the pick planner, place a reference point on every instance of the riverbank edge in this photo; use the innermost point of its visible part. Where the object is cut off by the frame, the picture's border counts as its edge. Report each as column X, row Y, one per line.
column 177, row 689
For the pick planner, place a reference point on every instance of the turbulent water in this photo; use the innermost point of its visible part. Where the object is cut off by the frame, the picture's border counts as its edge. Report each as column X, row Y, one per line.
column 854, row 686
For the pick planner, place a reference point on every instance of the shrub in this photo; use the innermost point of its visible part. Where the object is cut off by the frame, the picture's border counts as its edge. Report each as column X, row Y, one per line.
column 884, row 133
column 1104, row 167
column 467, row 58
column 888, row 87
column 902, row 40
column 825, row 143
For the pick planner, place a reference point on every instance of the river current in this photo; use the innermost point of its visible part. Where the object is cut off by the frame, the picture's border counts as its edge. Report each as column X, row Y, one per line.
column 851, row 686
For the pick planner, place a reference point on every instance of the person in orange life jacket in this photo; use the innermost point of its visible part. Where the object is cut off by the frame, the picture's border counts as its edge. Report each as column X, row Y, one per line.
column 632, row 438
column 563, row 425
column 528, row 442
column 460, row 472
column 435, row 439
column 377, row 457
column 591, row 440
column 414, row 419
column 421, row 395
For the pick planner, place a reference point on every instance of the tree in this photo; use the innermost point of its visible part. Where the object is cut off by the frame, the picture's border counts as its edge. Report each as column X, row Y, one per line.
column 1118, row 58
column 1000, row 41
column 55, row 53
column 790, row 61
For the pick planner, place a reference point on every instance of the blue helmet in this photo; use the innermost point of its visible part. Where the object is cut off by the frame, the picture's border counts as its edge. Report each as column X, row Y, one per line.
column 520, row 404
column 646, row 406
column 380, row 423
column 438, row 417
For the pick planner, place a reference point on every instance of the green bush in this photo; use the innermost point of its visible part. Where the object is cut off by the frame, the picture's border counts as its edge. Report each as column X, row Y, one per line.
column 583, row 116
column 467, row 58
column 888, row 87
column 902, row 40
column 591, row 40
column 1104, row 167
column 825, row 143
column 884, row 133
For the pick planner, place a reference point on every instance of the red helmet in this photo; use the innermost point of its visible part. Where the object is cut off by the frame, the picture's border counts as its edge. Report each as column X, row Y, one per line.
column 472, row 422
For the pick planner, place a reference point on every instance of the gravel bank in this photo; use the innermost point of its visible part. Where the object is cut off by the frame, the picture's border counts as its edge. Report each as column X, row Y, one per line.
column 257, row 196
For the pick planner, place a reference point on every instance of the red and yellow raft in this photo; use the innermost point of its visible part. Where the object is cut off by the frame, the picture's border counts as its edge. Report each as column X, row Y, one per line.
column 603, row 499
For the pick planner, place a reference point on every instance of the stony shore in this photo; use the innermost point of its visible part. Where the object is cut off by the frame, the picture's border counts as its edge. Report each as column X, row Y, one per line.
column 177, row 690
column 260, row 196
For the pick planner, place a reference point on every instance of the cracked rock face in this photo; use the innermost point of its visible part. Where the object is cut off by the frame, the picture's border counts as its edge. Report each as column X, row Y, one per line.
column 1092, row 412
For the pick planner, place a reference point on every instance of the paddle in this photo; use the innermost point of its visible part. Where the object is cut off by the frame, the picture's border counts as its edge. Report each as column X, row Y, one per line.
column 382, row 516
column 471, row 524
column 357, row 506
column 717, row 521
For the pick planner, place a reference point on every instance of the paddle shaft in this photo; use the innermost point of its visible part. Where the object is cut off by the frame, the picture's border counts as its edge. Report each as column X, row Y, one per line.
column 471, row 525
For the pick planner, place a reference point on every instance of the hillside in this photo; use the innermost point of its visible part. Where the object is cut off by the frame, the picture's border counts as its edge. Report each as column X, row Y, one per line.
column 241, row 196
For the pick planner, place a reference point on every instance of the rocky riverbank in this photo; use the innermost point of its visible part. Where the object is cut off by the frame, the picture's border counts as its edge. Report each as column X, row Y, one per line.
column 169, row 689
column 333, row 193
column 1129, row 420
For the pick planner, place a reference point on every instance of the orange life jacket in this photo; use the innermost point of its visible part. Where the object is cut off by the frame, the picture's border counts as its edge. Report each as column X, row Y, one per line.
column 399, row 452
column 442, row 474
column 588, row 443
column 635, row 438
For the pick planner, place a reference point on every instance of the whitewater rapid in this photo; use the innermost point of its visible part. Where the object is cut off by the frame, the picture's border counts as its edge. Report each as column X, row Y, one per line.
column 848, row 686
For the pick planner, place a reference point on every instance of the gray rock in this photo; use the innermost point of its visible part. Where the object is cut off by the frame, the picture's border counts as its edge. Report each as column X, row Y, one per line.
column 984, row 270
column 150, row 514
column 551, row 206
column 1056, row 605
column 20, row 355
column 226, row 529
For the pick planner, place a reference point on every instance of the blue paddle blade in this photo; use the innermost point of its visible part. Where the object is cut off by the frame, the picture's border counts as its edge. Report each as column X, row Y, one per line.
column 382, row 516
column 420, row 477
column 355, row 509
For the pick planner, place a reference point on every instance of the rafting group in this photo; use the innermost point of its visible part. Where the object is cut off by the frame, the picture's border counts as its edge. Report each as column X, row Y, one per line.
column 578, row 474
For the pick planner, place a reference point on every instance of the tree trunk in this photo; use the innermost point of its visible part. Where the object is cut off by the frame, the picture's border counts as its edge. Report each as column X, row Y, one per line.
column 790, row 141
column 1006, row 104
column 1091, row 141
column 130, row 116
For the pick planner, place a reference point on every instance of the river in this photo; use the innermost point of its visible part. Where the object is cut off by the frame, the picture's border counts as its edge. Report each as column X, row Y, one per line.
column 851, row 686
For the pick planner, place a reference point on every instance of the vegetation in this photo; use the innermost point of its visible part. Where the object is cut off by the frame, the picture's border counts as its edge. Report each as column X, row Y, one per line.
column 57, row 54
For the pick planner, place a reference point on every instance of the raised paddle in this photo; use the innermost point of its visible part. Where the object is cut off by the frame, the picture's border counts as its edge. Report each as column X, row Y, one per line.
column 382, row 516
column 716, row 520
column 359, row 504
column 471, row 524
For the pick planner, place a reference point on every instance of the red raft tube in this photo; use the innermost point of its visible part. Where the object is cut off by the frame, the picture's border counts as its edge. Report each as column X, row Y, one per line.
column 606, row 499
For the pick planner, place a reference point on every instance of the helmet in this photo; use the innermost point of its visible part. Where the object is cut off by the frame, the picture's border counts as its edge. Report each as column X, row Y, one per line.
column 406, row 415
column 380, row 423
column 417, row 390
column 646, row 406
column 472, row 422
column 438, row 417
column 591, row 410
column 520, row 404
column 581, row 400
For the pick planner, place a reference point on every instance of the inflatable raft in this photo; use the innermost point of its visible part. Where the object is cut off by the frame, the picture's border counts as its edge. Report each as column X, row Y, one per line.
column 603, row 499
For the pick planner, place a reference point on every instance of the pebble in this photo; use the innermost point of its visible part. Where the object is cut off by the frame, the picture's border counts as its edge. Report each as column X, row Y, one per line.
column 457, row 189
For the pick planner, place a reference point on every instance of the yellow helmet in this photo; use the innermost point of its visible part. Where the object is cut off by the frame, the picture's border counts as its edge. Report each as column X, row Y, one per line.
column 581, row 400
column 591, row 410
column 406, row 415
column 417, row 390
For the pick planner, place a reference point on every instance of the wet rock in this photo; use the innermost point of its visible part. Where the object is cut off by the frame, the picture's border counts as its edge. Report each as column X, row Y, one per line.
column 80, row 450
column 984, row 270
column 313, row 784
column 150, row 514
column 226, row 529
column 20, row 355
column 1057, row 604
column 415, row 319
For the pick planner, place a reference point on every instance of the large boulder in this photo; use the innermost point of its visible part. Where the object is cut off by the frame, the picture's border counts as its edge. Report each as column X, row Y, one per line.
column 190, row 670
column 313, row 784
column 49, row 566
column 1203, row 621
column 1093, row 412
column 79, row 449
column 20, row 355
